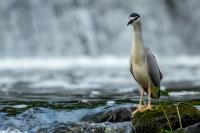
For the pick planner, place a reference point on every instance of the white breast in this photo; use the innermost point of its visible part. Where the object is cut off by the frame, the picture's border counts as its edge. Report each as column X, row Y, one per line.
column 141, row 74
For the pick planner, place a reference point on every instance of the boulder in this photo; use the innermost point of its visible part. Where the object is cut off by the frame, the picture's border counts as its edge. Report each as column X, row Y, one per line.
column 155, row 120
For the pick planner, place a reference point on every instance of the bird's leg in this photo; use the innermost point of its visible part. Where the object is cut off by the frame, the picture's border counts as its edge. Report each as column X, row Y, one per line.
column 140, row 106
column 149, row 100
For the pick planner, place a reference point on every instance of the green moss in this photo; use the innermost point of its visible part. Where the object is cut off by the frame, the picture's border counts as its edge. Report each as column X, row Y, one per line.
column 155, row 120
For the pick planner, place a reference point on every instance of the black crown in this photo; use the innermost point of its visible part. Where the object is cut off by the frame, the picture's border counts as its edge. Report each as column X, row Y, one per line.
column 134, row 15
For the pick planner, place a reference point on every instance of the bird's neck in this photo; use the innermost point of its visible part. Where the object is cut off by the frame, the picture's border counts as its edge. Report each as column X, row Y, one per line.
column 137, row 51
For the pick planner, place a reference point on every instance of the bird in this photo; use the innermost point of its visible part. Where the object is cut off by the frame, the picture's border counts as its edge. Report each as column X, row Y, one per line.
column 143, row 66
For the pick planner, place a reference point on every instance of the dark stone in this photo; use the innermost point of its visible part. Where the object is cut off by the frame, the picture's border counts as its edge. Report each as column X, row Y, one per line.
column 119, row 115
column 193, row 128
column 190, row 129
column 116, row 115
column 155, row 120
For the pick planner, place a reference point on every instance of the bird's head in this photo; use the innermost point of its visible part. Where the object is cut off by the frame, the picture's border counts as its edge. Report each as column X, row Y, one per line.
column 133, row 18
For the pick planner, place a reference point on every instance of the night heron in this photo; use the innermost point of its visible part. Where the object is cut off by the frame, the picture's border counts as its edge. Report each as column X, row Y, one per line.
column 143, row 65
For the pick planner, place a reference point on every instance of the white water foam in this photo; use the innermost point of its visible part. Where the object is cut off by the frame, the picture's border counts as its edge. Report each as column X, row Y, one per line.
column 11, row 130
column 88, row 62
column 62, row 63
column 183, row 93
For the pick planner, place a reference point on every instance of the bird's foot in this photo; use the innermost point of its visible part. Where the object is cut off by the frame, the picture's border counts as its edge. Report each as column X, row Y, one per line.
column 139, row 109
column 148, row 107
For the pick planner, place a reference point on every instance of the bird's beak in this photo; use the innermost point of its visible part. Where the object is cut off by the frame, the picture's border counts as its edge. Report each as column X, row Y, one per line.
column 130, row 21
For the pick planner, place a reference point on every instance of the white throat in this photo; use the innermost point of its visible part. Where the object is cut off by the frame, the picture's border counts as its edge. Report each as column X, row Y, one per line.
column 137, row 51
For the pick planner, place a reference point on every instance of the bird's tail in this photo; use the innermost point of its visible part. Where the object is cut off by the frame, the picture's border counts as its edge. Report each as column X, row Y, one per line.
column 155, row 93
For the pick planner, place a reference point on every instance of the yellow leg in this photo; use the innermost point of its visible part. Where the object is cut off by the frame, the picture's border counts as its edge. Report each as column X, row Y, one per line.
column 148, row 107
column 141, row 99
column 149, row 98
column 140, row 106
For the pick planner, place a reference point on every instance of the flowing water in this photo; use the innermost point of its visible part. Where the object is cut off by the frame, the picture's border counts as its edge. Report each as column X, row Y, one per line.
column 63, row 60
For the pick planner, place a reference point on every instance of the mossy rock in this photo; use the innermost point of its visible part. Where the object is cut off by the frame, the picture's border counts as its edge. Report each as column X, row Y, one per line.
column 155, row 120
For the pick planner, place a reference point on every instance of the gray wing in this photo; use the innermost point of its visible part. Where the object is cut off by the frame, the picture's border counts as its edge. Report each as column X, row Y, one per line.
column 131, row 67
column 152, row 67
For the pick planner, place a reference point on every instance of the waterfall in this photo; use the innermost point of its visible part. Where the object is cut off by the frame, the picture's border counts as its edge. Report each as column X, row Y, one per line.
column 49, row 28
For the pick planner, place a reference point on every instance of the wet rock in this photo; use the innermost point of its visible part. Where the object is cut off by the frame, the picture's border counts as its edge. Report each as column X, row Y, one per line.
column 194, row 128
column 190, row 129
column 86, row 127
column 114, row 115
column 155, row 120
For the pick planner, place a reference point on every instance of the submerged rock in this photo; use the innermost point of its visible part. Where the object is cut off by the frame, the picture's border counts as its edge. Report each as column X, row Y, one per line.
column 155, row 120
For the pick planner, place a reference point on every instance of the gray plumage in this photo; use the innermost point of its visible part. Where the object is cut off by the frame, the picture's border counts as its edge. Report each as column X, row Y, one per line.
column 153, row 68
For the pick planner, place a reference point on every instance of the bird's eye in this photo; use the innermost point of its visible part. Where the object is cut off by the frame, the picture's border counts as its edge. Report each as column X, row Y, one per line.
column 135, row 18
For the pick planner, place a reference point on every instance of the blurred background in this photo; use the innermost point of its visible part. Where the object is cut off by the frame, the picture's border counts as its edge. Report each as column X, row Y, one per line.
column 65, row 60
column 67, row 49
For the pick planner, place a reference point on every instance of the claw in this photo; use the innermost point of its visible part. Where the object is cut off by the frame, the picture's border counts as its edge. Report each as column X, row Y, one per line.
column 139, row 109
column 142, row 108
column 149, row 107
